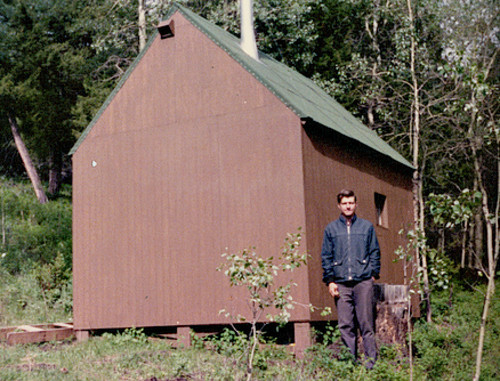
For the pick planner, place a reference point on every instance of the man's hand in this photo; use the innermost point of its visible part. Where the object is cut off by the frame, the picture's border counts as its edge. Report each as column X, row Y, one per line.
column 334, row 290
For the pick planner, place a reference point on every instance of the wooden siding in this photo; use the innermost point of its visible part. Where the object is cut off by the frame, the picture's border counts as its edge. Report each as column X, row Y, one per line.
column 331, row 163
column 193, row 155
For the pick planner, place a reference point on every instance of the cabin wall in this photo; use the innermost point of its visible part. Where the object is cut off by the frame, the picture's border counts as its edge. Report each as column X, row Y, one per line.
column 331, row 163
column 192, row 156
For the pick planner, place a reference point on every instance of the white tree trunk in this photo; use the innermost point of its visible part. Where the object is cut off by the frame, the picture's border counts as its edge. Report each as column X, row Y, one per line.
column 492, row 249
column 418, row 199
column 142, row 25
column 491, row 222
column 28, row 164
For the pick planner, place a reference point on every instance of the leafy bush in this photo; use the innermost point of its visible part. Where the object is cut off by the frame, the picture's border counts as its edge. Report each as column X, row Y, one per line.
column 33, row 234
column 22, row 301
column 35, row 255
column 446, row 348
column 129, row 335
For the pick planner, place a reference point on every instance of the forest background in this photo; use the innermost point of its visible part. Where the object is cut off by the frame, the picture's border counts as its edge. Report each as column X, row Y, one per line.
column 423, row 74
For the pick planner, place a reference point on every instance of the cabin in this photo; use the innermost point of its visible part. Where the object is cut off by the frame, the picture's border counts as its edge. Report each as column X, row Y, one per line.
column 200, row 150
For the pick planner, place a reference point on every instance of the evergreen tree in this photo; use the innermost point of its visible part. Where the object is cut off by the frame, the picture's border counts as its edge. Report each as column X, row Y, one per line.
column 44, row 61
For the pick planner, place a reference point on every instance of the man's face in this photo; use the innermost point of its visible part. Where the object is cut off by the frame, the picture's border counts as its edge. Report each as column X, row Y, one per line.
column 347, row 206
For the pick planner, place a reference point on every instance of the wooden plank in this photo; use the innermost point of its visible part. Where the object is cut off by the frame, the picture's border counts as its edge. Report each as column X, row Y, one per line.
column 4, row 331
column 30, row 328
column 63, row 325
column 38, row 336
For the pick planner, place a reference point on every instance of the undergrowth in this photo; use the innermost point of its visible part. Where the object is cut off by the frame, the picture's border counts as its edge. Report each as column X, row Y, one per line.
column 444, row 350
column 35, row 255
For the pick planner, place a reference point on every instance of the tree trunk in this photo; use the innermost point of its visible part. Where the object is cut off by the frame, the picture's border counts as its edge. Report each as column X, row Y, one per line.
column 142, row 25
column 465, row 231
column 55, row 168
column 371, row 27
column 492, row 252
column 418, row 200
column 4, row 235
column 471, row 257
column 28, row 164
column 479, row 355
column 492, row 234
column 478, row 236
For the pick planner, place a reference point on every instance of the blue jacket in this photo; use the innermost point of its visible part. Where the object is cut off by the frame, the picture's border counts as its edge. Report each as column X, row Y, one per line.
column 350, row 254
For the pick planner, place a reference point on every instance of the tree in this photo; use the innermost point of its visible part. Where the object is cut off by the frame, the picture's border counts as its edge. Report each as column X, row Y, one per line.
column 449, row 212
column 8, row 97
column 46, row 61
column 259, row 277
column 30, row 168
column 471, row 52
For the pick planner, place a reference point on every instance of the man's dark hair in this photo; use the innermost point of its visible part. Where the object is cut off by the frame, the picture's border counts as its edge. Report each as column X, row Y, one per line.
column 345, row 193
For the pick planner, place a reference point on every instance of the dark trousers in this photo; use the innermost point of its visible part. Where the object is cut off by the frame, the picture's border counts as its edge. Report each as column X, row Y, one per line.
column 355, row 307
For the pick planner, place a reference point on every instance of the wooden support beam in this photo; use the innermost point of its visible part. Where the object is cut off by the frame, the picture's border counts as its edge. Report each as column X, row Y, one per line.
column 184, row 336
column 82, row 336
column 302, row 333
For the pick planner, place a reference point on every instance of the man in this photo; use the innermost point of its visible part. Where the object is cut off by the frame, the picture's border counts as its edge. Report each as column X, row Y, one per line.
column 350, row 258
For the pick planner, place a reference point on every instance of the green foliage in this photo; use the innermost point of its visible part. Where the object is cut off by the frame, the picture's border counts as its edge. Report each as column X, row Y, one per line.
column 229, row 342
column 45, row 61
column 323, row 363
column 128, row 336
column 34, row 235
column 451, row 211
column 328, row 335
column 445, row 349
column 258, row 276
column 439, row 267
column 23, row 301
column 35, row 256
column 284, row 29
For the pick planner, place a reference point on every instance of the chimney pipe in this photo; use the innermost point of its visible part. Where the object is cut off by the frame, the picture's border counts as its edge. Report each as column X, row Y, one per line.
column 248, row 43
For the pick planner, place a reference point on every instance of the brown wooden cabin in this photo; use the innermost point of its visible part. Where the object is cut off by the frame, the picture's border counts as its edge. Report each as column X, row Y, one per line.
column 202, row 148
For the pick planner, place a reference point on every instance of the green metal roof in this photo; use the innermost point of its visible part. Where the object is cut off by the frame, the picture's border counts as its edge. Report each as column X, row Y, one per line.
column 300, row 94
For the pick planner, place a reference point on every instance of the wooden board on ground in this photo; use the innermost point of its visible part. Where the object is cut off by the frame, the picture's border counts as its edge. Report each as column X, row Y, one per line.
column 36, row 333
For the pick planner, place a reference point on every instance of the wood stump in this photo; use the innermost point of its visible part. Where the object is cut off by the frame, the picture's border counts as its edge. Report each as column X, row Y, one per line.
column 392, row 311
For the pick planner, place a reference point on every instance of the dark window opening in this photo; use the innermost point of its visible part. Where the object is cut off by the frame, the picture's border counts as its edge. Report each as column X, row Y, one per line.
column 381, row 210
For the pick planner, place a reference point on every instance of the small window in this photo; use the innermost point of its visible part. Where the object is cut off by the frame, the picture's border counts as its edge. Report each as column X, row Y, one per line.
column 381, row 210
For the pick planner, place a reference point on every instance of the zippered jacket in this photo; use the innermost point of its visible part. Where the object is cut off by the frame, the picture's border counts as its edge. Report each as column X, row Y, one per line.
column 350, row 253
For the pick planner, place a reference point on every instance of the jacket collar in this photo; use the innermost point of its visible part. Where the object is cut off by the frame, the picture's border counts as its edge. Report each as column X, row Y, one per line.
column 344, row 220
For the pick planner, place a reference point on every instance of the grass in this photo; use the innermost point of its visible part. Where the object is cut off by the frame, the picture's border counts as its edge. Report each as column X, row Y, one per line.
column 113, row 358
column 445, row 350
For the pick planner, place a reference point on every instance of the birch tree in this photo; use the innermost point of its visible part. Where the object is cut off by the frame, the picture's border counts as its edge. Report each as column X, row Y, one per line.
column 471, row 49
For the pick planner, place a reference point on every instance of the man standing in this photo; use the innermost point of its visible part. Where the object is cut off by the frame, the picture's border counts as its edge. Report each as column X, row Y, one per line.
column 350, row 258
